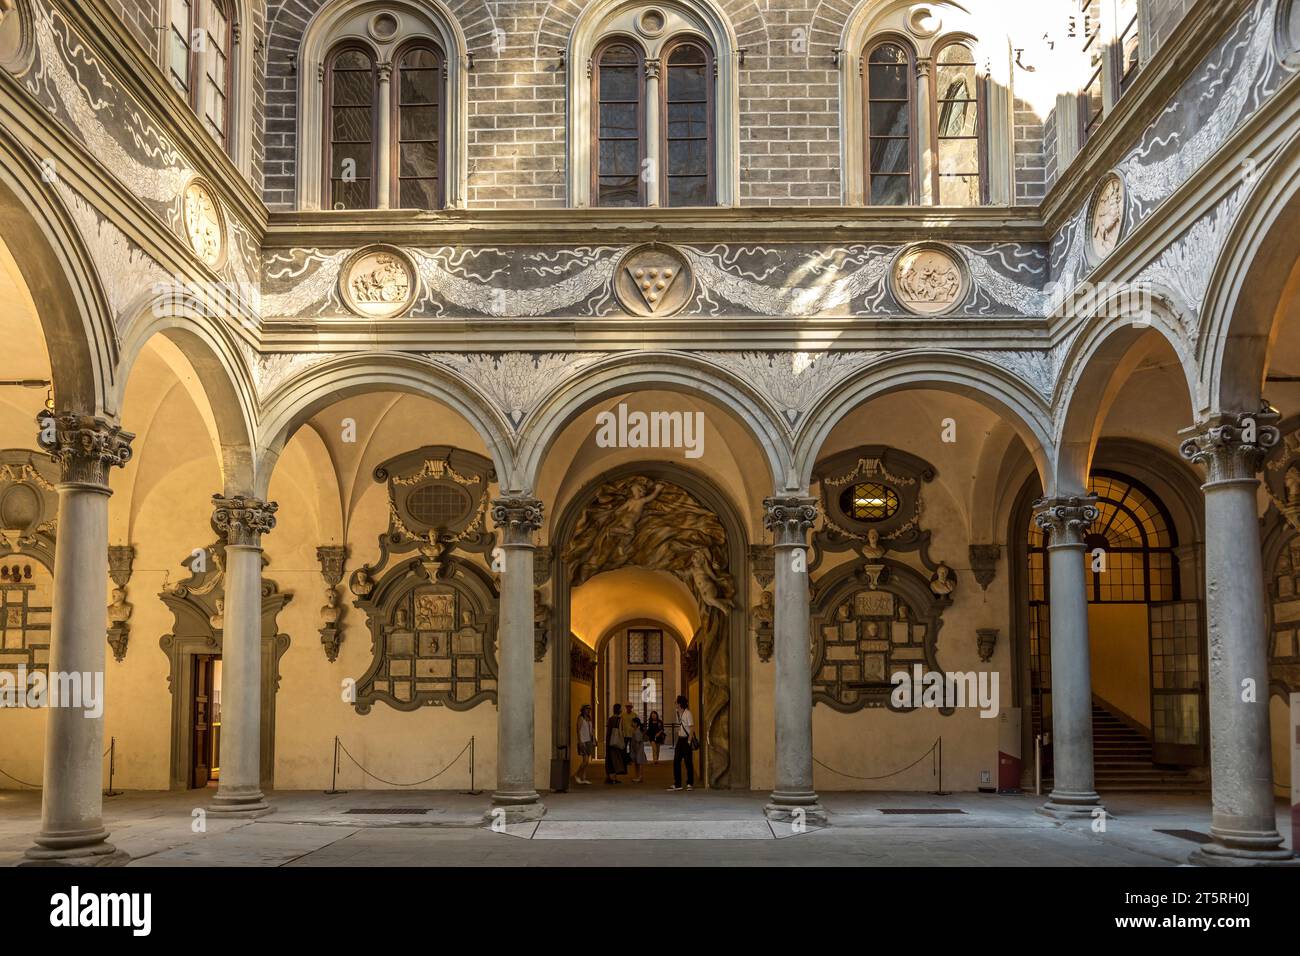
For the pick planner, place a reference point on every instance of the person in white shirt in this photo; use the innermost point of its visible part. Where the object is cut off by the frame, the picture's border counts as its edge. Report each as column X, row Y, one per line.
column 586, row 744
column 683, row 747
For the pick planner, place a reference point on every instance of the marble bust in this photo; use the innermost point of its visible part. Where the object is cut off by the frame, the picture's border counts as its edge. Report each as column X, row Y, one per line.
column 942, row 583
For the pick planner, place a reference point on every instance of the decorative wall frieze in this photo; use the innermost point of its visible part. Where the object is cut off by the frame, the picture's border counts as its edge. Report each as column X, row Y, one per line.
column 84, row 446
column 793, row 381
column 516, row 382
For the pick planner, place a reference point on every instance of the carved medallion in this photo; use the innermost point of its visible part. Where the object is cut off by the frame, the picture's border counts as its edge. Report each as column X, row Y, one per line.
column 378, row 283
column 203, row 224
column 17, row 39
column 1106, row 217
column 653, row 280
column 928, row 279
column 923, row 22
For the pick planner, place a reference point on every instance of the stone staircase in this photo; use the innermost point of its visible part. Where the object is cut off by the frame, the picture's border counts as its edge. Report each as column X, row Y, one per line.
column 1122, row 761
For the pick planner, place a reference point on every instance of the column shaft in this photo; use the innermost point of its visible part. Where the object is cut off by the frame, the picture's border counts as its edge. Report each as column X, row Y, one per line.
column 72, row 829
column 243, row 521
column 384, row 173
column 1073, row 792
column 1244, row 822
column 516, row 798
column 793, row 798
column 652, row 175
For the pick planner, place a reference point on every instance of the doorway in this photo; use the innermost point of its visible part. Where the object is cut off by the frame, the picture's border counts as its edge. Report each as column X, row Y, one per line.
column 205, row 770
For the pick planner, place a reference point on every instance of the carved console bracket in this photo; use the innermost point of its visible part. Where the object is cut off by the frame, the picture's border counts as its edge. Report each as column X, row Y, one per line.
column 120, row 559
column 984, row 563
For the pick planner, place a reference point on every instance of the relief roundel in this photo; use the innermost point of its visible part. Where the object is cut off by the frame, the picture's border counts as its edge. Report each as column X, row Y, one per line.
column 1106, row 217
column 378, row 283
column 928, row 279
column 653, row 280
column 203, row 224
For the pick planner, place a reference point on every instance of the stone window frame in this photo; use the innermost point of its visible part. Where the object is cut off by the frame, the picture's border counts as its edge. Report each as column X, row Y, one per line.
column 867, row 28
column 240, row 74
column 347, row 20
column 700, row 19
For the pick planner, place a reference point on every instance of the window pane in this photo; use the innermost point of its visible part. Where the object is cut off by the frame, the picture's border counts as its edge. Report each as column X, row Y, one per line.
column 618, row 120
column 618, row 191
column 688, row 119
column 419, row 122
column 889, row 118
column 688, row 191
column 891, row 156
column 351, row 125
column 618, row 157
column 959, row 190
column 353, row 195
column 419, row 160
column 353, row 88
column 686, row 83
column 619, row 84
column 959, row 156
column 419, row 87
column 419, row 194
column 358, row 153
column 958, row 118
column 890, row 190
column 688, row 157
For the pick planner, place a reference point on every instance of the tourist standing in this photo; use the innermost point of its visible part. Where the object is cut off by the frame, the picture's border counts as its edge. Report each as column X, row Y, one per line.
column 586, row 744
column 638, row 749
column 683, row 746
column 615, row 748
column 654, row 730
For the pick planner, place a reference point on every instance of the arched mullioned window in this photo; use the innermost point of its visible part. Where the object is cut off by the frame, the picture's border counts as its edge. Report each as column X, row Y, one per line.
column 618, row 96
column 681, row 83
column 687, row 125
column 200, row 36
column 890, row 124
column 351, row 113
column 383, row 131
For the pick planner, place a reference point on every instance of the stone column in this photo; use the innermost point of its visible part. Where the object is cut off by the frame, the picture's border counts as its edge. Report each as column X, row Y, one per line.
column 384, row 173
column 653, row 175
column 1066, row 521
column 793, row 799
column 1231, row 447
column 516, row 799
column 72, row 829
column 925, row 143
column 242, row 521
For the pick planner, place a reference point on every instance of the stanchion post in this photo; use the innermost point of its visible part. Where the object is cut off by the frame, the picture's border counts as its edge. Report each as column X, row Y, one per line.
column 940, row 792
column 112, row 767
column 471, row 791
column 334, row 774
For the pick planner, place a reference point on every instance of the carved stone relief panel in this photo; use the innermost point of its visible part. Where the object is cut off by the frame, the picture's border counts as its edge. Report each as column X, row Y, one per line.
column 866, row 626
column 929, row 279
column 204, row 226
column 1106, row 217
column 378, row 283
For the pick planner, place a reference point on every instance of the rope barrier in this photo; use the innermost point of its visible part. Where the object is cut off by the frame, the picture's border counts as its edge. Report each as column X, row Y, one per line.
column 393, row 783
column 882, row 776
column 37, row 786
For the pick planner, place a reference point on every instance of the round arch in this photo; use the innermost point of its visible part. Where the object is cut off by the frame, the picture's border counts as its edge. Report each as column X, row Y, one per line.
column 1099, row 363
column 75, row 315
column 710, row 496
column 983, row 382
column 1257, row 272
column 639, row 372
column 209, row 347
column 321, row 385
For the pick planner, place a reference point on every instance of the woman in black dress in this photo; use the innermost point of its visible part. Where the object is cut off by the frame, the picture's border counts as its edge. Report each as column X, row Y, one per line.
column 654, row 731
column 615, row 763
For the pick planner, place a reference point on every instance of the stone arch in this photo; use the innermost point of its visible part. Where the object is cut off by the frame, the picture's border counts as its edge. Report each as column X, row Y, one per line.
column 209, row 346
column 580, row 39
column 75, row 314
column 977, row 379
column 1100, row 360
column 325, row 383
column 704, row 491
column 647, row 370
column 1255, row 277
column 296, row 37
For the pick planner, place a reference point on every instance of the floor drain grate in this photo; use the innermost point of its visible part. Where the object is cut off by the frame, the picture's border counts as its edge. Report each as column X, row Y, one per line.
column 903, row 810
column 1194, row 836
column 385, row 811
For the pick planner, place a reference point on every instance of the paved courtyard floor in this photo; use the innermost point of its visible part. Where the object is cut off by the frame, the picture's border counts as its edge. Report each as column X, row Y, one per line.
column 630, row 825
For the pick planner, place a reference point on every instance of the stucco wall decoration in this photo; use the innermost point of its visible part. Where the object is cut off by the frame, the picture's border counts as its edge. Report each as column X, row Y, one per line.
column 793, row 381
column 790, row 279
column 516, row 382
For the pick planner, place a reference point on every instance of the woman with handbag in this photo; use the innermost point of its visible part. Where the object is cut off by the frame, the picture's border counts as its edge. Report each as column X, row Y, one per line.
column 586, row 744
column 615, row 754
column 638, row 749
column 683, row 746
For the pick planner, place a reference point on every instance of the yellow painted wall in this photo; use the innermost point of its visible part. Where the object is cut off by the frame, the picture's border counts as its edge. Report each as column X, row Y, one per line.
column 1121, row 657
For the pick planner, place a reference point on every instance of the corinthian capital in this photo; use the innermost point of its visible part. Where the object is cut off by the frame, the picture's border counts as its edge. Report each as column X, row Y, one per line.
column 789, row 518
column 1231, row 445
column 517, row 517
column 243, row 520
column 84, row 446
column 1066, row 519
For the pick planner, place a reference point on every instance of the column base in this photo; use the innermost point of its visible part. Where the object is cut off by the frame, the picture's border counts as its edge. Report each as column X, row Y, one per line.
column 99, row 854
column 515, row 807
column 1071, row 805
column 1244, row 848
column 240, row 805
column 794, row 808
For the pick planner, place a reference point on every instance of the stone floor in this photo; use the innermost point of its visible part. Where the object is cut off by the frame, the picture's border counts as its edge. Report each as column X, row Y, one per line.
column 632, row 824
